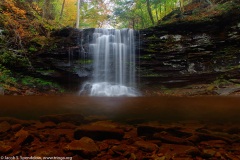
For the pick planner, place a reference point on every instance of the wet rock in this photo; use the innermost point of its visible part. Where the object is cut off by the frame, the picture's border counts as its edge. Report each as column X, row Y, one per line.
column 23, row 137
column 4, row 148
column 99, row 132
column 86, row 147
column 16, row 127
column 49, row 151
column 68, row 134
column 208, row 153
column 54, row 135
column 233, row 130
column 29, row 93
column 149, row 130
column 132, row 134
column 166, row 138
column 103, row 146
column 65, row 125
column 12, row 120
column 176, row 130
column 176, row 150
column 194, row 139
column 45, row 125
column 4, row 127
column 227, row 91
column 146, row 146
column 213, row 136
column 112, row 141
column 15, row 153
column 213, row 144
column 123, row 149
column 70, row 118
column 77, row 157
column 231, row 156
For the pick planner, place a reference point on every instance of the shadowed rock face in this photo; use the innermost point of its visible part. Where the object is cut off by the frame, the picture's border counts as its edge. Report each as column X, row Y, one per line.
column 188, row 51
column 178, row 53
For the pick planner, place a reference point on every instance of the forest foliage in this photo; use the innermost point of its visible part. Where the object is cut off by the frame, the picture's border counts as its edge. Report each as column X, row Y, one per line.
column 137, row 14
column 26, row 25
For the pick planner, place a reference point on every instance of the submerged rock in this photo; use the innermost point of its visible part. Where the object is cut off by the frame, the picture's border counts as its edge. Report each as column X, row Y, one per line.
column 70, row 118
column 22, row 137
column 98, row 132
column 167, row 138
column 86, row 147
column 4, row 148
column 146, row 146
column 45, row 125
column 4, row 127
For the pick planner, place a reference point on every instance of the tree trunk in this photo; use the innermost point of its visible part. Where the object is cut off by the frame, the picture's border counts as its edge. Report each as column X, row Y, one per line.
column 48, row 10
column 182, row 6
column 150, row 11
column 44, row 9
column 61, row 14
column 78, row 13
column 133, row 23
column 157, row 14
column 165, row 8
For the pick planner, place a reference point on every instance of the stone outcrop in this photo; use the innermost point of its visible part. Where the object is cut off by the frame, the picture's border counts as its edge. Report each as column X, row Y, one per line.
column 182, row 52
column 191, row 51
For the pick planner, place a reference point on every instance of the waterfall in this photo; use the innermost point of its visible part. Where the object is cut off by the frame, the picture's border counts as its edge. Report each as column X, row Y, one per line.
column 113, row 53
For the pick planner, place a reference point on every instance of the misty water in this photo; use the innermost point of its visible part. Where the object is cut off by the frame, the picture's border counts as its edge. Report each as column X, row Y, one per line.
column 113, row 53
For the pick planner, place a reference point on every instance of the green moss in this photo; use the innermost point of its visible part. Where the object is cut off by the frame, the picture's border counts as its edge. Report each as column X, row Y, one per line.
column 220, row 81
column 149, row 50
column 224, row 7
column 148, row 73
column 45, row 72
column 6, row 76
column 13, row 59
column 146, row 57
column 39, row 40
column 85, row 61
column 32, row 49
column 31, row 81
column 153, row 37
column 39, row 83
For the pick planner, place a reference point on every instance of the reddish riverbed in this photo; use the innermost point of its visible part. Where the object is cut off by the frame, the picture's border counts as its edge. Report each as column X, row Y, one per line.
column 164, row 128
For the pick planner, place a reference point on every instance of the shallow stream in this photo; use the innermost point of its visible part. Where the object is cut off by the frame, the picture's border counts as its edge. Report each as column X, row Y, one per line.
column 212, row 108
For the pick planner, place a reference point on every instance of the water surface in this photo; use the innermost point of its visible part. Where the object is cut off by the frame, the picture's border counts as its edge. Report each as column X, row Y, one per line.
column 212, row 108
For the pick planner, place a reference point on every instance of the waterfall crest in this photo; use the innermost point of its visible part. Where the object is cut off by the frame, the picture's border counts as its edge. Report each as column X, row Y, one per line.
column 113, row 53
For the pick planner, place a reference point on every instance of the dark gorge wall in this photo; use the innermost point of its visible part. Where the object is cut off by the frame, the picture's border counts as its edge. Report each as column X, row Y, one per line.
column 174, row 54
column 66, row 60
column 188, row 52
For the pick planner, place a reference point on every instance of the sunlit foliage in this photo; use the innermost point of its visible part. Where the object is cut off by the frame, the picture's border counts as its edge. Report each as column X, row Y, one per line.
column 139, row 14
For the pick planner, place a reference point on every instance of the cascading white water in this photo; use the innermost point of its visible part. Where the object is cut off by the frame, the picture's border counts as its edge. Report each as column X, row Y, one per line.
column 113, row 54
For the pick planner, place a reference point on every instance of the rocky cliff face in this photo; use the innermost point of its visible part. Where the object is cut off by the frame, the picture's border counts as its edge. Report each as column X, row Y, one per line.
column 178, row 53
column 190, row 51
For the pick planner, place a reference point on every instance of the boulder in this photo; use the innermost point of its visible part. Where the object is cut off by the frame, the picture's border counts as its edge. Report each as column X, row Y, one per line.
column 86, row 147
column 167, row 138
column 100, row 130
column 23, row 137
column 4, row 127
column 4, row 148
column 146, row 146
